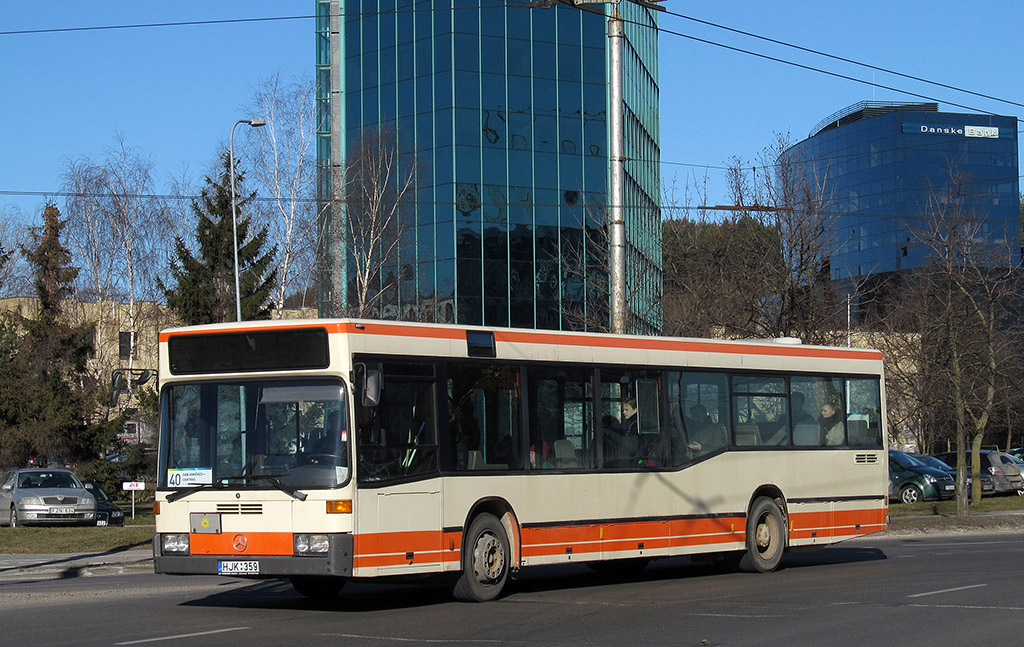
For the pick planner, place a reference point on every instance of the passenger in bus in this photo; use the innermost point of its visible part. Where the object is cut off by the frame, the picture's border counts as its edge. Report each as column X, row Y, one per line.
column 704, row 435
column 541, row 459
column 800, row 416
column 630, row 424
column 831, row 422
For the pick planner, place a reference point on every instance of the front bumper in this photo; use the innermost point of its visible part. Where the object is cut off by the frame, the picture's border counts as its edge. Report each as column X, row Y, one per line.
column 337, row 561
column 40, row 516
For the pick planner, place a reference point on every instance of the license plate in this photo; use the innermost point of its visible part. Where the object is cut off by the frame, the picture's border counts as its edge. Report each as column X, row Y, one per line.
column 951, row 487
column 64, row 510
column 101, row 522
column 238, row 568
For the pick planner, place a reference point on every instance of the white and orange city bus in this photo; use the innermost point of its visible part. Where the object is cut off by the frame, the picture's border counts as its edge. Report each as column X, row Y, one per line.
column 328, row 450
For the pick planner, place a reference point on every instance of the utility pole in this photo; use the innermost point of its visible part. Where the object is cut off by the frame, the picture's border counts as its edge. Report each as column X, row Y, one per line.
column 616, row 159
column 616, row 174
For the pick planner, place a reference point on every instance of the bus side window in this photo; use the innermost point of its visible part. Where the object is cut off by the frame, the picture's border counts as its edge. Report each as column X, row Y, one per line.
column 561, row 419
column 483, row 418
column 398, row 437
column 863, row 407
column 704, row 407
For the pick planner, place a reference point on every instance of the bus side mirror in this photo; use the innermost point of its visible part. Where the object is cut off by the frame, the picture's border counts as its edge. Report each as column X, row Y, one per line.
column 116, row 384
column 368, row 380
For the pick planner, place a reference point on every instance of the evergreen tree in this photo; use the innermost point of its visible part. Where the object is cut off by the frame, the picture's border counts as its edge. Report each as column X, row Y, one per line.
column 48, row 401
column 204, row 284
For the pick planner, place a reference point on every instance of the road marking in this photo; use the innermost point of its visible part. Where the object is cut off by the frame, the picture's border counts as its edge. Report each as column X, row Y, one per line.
column 446, row 641
column 959, row 588
column 965, row 606
column 179, row 636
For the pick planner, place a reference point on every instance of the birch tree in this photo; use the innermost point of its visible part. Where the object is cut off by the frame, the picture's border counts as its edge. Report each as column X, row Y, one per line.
column 282, row 161
column 377, row 188
column 115, row 224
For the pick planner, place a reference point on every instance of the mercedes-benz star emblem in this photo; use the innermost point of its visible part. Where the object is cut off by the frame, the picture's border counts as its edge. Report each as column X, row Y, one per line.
column 239, row 542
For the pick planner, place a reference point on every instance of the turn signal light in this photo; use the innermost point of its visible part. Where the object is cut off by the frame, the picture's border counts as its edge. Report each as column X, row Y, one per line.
column 339, row 507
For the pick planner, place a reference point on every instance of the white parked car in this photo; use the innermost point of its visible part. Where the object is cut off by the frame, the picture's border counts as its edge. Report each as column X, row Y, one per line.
column 37, row 496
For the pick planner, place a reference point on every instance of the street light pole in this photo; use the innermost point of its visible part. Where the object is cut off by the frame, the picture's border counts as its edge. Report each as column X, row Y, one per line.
column 255, row 123
column 616, row 154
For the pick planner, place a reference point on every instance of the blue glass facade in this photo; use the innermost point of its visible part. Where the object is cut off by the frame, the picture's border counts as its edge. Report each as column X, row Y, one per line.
column 879, row 165
column 502, row 111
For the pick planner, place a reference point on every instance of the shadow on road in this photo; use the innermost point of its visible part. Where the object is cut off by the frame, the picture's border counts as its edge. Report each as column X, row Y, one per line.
column 359, row 597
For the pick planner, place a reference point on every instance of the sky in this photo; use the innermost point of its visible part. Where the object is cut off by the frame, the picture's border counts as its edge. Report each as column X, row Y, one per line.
column 173, row 92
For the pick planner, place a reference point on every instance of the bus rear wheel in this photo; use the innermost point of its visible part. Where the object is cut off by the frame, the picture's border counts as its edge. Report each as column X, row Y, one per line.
column 766, row 537
column 485, row 561
column 318, row 587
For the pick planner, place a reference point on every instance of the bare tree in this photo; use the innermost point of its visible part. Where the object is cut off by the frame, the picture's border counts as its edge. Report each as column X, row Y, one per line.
column 962, row 306
column 15, row 275
column 114, row 225
column 761, row 267
column 282, row 158
column 367, row 224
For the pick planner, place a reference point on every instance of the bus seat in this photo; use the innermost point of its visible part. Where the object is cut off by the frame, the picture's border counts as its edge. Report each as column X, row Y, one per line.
column 565, row 453
column 859, row 434
column 747, row 436
column 476, row 462
column 806, row 434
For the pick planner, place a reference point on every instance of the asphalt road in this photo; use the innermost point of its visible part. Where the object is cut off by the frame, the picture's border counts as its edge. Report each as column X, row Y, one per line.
column 939, row 590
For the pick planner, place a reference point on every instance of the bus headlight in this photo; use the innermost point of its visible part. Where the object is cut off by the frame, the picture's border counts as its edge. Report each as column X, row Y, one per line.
column 311, row 544
column 176, row 544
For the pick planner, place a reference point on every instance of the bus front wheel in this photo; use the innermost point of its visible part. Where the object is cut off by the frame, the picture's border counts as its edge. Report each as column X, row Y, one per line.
column 485, row 561
column 766, row 537
column 317, row 587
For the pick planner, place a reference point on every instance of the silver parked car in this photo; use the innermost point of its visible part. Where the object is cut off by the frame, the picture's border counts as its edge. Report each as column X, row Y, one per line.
column 1006, row 474
column 37, row 496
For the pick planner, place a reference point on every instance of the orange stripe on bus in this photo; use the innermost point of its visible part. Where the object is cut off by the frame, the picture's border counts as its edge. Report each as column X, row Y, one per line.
column 529, row 337
column 399, row 542
column 255, row 543
column 436, row 546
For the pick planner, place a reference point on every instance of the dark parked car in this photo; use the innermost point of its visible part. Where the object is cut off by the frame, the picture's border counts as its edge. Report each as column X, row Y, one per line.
column 108, row 513
column 988, row 484
column 1005, row 473
column 911, row 481
column 37, row 496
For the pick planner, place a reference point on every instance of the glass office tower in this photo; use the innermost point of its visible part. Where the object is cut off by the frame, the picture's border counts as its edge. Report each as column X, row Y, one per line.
column 500, row 114
column 880, row 164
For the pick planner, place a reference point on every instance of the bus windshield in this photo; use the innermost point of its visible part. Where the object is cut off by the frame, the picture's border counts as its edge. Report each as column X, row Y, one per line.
column 250, row 432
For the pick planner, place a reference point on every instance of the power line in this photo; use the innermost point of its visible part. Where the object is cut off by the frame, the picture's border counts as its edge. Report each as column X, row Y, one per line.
column 843, row 59
column 182, row 23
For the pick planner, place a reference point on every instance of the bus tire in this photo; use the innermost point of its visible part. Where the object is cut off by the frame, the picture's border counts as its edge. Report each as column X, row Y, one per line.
column 485, row 561
column 766, row 537
column 318, row 587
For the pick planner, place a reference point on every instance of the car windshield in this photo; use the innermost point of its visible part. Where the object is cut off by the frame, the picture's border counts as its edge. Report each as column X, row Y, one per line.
column 294, row 432
column 931, row 461
column 48, row 480
column 906, row 460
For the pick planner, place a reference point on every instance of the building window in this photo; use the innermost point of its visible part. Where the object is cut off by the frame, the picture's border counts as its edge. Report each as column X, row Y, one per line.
column 127, row 345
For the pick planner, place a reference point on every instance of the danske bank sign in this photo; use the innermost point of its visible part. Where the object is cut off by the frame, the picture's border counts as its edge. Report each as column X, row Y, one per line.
column 989, row 132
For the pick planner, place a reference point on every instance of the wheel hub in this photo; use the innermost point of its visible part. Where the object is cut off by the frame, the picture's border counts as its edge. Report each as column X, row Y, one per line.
column 488, row 558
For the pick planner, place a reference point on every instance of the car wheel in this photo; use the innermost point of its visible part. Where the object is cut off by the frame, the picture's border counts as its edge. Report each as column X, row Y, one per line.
column 766, row 537
column 485, row 561
column 911, row 494
column 14, row 518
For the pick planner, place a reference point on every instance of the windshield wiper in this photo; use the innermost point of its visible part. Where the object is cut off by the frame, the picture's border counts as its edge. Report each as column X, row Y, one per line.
column 181, row 494
column 273, row 479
